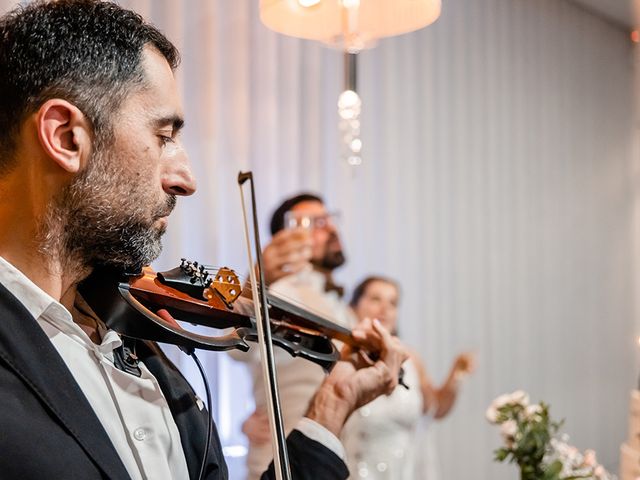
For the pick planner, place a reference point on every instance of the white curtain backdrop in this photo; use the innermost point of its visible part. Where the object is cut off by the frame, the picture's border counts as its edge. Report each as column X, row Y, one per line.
column 499, row 185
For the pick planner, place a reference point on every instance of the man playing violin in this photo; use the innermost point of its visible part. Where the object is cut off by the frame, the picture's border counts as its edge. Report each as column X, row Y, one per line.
column 298, row 263
column 91, row 164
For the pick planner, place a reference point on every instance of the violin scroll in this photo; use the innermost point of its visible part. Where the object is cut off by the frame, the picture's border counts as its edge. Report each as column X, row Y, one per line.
column 196, row 280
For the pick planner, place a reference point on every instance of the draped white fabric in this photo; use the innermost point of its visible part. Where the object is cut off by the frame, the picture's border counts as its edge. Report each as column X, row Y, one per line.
column 499, row 185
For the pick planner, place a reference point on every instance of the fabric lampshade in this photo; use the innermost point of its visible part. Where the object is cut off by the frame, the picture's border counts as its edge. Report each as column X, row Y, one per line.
column 349, row 24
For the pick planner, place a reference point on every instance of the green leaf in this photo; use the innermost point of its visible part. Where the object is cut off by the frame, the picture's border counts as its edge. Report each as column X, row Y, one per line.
column 554, row 469
column 501, row 454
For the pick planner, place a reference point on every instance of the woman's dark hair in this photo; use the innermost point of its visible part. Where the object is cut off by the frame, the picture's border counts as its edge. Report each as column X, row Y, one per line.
column 87, row 52
column 361, row 288
column 277, row 219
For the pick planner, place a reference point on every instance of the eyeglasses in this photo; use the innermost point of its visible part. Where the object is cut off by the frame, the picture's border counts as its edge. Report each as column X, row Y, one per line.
column 296, row 220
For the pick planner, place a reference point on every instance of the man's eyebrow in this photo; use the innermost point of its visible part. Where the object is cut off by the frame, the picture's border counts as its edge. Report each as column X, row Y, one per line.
column 175, row 121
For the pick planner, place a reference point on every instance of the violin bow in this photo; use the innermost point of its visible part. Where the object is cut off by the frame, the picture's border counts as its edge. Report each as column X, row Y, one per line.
column 265, row 344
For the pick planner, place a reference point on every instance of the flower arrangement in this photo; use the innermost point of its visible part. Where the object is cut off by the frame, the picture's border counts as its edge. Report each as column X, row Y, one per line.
column 530, row 440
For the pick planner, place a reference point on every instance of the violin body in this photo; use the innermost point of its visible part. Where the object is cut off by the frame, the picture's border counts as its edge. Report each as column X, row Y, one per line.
column 190, row 293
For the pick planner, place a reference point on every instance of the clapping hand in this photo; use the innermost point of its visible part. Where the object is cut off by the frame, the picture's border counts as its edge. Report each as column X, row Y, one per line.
column 464, row 364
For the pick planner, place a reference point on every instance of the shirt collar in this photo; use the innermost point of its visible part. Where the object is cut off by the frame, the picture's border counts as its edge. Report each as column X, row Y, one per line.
column 43, row 306
column 34, row 299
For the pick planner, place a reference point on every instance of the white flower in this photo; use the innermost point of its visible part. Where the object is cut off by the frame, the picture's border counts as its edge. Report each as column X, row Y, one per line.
column 518, row 397
column 492, row 414
column 502, row 400
column 570, row 457
column 509, row 429
column 564, row 450
column 532, row 411
column 589, row 459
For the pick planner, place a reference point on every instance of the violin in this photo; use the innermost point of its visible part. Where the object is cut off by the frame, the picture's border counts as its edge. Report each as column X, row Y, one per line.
column 195, row 294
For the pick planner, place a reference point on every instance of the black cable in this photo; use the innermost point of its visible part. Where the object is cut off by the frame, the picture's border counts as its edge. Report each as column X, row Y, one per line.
column 210, row 423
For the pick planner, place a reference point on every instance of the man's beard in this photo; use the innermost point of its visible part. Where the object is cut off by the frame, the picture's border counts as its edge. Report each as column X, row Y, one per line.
column 103, row 218
column 331, row 259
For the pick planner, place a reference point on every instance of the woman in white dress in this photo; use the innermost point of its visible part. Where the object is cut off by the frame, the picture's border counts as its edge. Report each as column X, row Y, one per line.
column 381, row 438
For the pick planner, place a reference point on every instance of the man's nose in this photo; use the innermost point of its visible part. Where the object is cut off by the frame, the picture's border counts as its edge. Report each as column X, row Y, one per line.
column 178, row 178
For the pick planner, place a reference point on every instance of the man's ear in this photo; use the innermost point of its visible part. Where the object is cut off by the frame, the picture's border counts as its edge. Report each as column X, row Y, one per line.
column 65, row 134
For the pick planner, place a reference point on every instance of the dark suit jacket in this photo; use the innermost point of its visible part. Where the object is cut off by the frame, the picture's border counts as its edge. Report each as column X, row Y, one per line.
column 48, row 429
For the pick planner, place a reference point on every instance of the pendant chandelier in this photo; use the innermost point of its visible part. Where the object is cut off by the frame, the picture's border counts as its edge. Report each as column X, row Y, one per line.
column 350, row 25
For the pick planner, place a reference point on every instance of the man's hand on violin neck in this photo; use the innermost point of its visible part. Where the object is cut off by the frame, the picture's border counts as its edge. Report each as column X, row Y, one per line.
column 353, row 383
column 289, row 252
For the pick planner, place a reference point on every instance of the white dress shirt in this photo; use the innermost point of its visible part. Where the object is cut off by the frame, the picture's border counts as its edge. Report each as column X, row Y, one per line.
column 132, row 410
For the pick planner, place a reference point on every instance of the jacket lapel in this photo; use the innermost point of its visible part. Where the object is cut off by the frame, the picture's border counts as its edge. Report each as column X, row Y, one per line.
column 28, row 352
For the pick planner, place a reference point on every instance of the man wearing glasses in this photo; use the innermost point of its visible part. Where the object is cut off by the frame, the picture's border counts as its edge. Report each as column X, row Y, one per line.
column 298, row 264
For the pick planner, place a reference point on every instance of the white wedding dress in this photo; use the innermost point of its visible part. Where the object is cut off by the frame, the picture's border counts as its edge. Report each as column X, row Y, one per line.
column 382, row 439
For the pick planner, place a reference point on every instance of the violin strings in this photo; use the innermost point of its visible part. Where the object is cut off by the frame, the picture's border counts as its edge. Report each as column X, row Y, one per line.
column 213, row 272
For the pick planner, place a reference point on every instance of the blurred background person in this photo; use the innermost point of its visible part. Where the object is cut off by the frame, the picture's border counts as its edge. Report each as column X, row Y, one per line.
column 381, row 438
column 299, row 262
